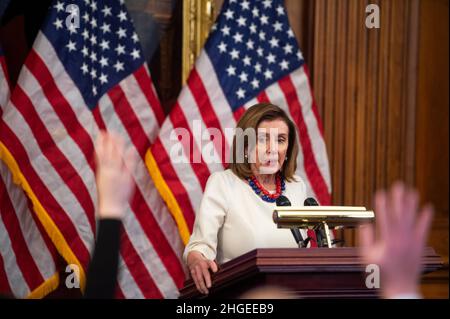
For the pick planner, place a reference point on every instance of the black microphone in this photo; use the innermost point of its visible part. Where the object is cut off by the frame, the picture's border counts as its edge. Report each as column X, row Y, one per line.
column 310, row 202
column 284, row 201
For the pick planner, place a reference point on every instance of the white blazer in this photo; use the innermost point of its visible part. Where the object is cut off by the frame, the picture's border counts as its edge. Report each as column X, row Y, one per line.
column 233, row 219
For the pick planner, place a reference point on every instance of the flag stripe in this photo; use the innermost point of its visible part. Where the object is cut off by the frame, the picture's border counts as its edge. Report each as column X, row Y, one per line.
column 200, row 95
column 26, row 263
column 49, row 270
column 4, row 84
column 127, row 286
column 128, row 118
column 157, row 261
column 127, row 283
column 300, row 82
column 252, row 102
column 238, row 113
column 312, row 234
column 98, row 118
column 141, row 111
column 119, row 293
column 262, row 97
column 5, row 287
column 211, row 158
column 199, row 168
column 12, row 268
column 140, row 274
column 219, row 103
column 146, row 85
column 151, row 229
column 314, row 105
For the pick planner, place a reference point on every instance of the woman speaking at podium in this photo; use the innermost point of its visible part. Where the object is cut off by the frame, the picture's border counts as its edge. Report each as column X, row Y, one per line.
column 235, row 214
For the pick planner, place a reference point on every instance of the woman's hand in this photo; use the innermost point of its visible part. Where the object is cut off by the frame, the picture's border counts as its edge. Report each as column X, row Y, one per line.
column 199, row 267
column 114, row 175
column 402, row 237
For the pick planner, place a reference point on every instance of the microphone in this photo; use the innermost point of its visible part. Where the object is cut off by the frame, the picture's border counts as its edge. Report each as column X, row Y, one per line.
column 310, row 202
column 284, row 201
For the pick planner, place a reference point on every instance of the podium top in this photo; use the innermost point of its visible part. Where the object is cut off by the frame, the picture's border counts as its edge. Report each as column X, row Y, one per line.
column 305, row 216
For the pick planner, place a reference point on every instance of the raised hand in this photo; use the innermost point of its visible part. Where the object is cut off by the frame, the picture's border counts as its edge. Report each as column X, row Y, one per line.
column 114, row 175
column 399, row 246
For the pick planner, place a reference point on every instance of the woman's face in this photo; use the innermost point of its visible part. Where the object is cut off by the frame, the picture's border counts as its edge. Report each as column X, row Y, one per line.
column 272, row 140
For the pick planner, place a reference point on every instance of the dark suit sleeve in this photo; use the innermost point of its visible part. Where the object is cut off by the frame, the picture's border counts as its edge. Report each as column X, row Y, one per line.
column 102, row 274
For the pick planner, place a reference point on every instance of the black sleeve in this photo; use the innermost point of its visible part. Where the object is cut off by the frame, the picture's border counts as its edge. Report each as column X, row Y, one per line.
column 102, row 274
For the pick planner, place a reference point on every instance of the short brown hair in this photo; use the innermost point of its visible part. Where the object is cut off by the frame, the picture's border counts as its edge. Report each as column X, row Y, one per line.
column 251, row 119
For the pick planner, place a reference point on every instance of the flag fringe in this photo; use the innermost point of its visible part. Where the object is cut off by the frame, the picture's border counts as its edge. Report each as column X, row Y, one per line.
column 167, row 196
column 45, row 288
column 50, row 227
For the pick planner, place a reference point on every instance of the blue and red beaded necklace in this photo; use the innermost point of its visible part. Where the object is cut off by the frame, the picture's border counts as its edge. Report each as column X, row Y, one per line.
column 263, row 193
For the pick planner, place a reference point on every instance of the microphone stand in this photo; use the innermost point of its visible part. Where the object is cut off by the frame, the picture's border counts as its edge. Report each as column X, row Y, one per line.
column 327, row 234
column 323, row 235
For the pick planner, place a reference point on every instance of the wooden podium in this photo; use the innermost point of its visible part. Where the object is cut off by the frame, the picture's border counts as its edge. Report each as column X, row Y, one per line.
column 306, row 273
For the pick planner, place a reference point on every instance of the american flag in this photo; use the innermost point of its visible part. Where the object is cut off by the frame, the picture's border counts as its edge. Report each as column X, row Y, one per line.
column 27, row 256
column 84, row 73
column 250, row 56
